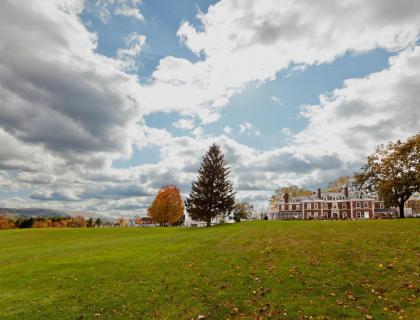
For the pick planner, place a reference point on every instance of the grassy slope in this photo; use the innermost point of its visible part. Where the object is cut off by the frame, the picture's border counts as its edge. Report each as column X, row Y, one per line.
column 288, row 270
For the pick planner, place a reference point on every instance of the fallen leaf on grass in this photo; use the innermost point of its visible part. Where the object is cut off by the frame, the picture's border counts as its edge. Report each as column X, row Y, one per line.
column 351, row 297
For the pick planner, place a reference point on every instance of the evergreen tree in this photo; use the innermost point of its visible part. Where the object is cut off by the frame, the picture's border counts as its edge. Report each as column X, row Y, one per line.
column 98, row 222
column 89, row 223
column 211, row 193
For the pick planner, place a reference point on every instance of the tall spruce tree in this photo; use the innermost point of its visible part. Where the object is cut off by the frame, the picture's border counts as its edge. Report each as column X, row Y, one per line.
column 211, row 193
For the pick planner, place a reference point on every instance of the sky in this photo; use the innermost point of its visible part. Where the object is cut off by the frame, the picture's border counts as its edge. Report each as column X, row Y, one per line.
column 104, row 101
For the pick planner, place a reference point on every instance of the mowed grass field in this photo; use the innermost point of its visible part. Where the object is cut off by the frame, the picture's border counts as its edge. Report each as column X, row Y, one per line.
column 250, row 270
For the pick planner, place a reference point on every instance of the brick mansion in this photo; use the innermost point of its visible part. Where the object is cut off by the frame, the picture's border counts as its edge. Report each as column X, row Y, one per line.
column 329, row 206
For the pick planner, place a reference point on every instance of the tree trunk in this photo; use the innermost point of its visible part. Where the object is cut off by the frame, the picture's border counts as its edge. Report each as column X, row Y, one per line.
column 208, row 223
column 401, row 208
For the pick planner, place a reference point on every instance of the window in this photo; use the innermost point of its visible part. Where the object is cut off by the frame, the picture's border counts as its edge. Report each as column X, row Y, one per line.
column 357, row 204
column 334, row 205
column 315, row 205
column 358, row 215
column 325, row 198
column 309, row 206
column 298, row 207
column 366, row 204
column 334, row 198
column 344, row 205
column 382, row 205
column 282, row 207
column 325, row 205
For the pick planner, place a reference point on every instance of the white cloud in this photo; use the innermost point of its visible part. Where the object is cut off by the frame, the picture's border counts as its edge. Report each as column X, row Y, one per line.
column 128, row 8
column 248, row 129
column 185, row 124
column 127, row 11
column 276, row 100
column 380, row 107
column 244, row 127
column 227, row 130
column 61, row 97
column 286, row 131
column 198, row 132
column 245, row 41
column 128, row 56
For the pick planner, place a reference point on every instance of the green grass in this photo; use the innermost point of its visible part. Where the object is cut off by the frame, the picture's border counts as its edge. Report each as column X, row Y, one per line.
column 256, row 270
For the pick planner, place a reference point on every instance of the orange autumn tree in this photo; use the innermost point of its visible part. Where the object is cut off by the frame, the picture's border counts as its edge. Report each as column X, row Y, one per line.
column 6, row 223
column 168, row 207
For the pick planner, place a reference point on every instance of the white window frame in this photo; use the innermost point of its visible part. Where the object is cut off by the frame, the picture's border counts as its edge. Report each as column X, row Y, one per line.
column 366, row 204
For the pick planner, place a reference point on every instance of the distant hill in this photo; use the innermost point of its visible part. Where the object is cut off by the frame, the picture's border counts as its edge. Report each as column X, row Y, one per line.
column 46, row 213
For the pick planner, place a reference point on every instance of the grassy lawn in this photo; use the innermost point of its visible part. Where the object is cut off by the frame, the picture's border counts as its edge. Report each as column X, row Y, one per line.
column 255, row 270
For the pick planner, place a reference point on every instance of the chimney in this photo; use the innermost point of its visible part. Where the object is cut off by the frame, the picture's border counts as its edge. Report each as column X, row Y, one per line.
column 319, row 193
column 346, row 192
column 286, row 198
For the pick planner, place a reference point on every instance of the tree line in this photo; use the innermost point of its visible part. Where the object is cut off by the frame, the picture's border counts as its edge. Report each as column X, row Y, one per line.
column 51, row 222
